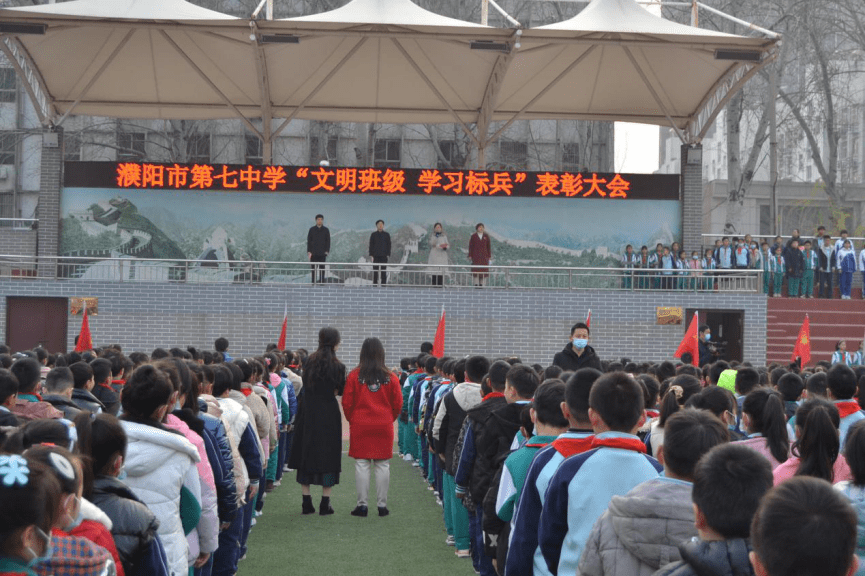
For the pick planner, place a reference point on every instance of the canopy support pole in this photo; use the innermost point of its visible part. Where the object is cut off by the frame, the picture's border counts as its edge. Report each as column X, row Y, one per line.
column 96, row 76
column 435, row 91
column 491, row 95
column 654, row 93
column 540, row 94
column 264, row 91
column 210, row 82
column 30, row 77
column 321, row 85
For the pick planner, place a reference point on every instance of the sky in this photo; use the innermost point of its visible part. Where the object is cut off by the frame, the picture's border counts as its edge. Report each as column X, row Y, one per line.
column 636, row 148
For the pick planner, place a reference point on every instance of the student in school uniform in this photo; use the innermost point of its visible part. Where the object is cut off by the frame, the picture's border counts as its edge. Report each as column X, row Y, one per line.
column 582, row 486
column 812, row 263
column 846, row 260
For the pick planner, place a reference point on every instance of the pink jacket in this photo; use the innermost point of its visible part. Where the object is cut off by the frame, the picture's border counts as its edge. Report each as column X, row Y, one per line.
column 758, row 444
column 840, row 471
column 205, row 537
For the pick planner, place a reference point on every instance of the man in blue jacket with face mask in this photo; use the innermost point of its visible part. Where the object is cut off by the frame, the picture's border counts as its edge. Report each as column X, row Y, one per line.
column 577, row 353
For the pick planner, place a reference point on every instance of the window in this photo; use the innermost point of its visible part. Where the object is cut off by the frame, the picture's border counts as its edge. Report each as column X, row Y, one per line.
column 8, row 142
column 131, row 145
column 387, row 153
column 316, row 154
column 513, row 155
column 253, row 151
column 7, row 206
column 198, row 149
column 72, row 146
column 765, row 219
column 571, row 157
column 7, row 85
column 449, row 154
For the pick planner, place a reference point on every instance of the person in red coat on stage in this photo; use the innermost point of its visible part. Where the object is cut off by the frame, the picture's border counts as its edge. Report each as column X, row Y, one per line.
column 372, row 400
column 480, row 253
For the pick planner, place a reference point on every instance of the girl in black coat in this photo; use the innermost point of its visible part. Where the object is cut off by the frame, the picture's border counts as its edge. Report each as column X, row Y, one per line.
column 102, row 438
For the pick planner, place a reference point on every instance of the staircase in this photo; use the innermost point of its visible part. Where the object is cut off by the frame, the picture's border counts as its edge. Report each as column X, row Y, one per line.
column 831, row 320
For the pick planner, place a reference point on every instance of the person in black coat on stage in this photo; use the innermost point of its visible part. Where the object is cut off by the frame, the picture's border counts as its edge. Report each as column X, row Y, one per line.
column 577, row 353
column 379, row 251
column 318, row 246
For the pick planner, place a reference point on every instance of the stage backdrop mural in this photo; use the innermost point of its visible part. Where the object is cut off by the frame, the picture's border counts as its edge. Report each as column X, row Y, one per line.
column 212, row 214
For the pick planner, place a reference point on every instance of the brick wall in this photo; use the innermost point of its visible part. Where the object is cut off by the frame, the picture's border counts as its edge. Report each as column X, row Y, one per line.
column 17, row 242
column 50, row 179
column 692, row 200
column 531, row 323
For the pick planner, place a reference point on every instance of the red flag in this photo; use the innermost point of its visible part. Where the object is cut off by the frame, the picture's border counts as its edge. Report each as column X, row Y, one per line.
column 802, row 349
column 589, row 318
column 85, row 340
column 690, row 342
column 280, row 344
column 439, row 342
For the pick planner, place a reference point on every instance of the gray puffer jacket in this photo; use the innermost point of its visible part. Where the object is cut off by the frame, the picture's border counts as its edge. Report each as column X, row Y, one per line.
column 640, row 531
column 718, row 558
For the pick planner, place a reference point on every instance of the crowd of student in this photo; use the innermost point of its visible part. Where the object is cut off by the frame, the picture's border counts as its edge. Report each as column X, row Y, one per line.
column 613, row 468
column 799, row 268
column 171, row 487
column 641, row 468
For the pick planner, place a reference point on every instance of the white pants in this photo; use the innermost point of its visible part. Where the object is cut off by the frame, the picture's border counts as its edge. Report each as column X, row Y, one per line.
column 382, row 480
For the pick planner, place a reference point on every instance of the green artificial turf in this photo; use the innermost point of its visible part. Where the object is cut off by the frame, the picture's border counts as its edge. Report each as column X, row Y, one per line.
column 411, row 541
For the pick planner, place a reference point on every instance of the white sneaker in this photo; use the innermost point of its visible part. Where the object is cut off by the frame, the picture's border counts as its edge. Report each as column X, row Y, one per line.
column 450, row 541
column 253, row 522
column 408, row 458
column 278, row 483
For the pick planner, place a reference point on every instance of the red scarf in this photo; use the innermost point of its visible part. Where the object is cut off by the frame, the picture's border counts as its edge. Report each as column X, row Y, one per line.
column 634, row 444
column 120, row 383
column 246, row 391
column 847, row 407
column 652, row 413
column 106, row 386
column 538, row 445
column 492, row 395
column 570, row 446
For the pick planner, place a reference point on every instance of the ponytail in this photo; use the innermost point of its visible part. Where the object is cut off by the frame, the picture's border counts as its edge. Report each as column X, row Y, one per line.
column 669, row 404
column 768, row 417
column 818, row 445
column 680, row 389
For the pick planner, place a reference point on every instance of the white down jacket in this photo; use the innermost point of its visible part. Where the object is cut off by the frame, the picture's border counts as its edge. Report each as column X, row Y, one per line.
column 158, row 464
column 236, row 419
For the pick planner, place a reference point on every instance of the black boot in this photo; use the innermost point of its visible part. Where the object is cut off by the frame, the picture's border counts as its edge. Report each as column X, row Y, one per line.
column 324, row 507
column 383, row 511
column 361, row 511
column 308, row 508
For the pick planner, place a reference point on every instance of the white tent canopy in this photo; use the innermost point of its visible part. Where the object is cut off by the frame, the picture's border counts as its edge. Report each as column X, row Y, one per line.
column 371, row 61
column 617, row 61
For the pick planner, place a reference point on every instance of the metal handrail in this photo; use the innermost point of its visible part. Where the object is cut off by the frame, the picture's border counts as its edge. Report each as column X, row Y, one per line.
column 98, row 267
column 772, row 236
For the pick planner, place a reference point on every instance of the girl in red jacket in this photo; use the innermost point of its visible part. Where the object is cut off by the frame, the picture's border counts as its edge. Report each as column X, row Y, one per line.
column 372, row 400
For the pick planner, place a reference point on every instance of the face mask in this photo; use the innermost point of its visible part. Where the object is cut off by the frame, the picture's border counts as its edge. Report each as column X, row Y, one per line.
column 79, row 517
column 46, row 555
column 177, row 405
column 708, row 336
column 122, row 474
column 753, row 246
column 580, row 343
column 695, row 257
